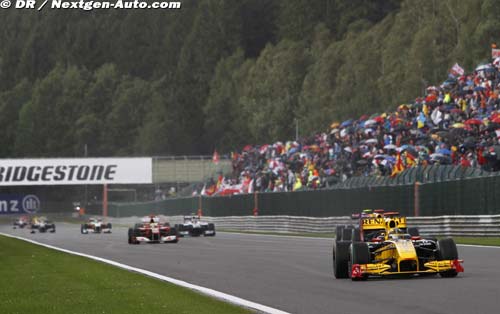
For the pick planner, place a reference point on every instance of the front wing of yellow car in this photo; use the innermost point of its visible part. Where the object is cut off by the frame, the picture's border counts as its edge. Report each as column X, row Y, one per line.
column 380, row 269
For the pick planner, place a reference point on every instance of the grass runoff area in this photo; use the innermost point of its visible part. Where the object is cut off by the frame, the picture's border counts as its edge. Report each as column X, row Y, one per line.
column 491, row 241
column 35, row 279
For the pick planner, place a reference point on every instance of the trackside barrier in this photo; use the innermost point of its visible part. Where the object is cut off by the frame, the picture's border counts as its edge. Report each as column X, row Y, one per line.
column 481, row 225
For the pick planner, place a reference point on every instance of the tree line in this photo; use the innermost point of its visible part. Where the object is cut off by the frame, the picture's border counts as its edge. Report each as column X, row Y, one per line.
column 221, row 74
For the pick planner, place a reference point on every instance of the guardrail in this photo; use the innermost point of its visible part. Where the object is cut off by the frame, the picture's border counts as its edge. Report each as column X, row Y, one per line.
column 480, row 226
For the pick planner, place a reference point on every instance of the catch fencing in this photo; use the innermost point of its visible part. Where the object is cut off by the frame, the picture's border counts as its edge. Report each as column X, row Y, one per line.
column 472, row 196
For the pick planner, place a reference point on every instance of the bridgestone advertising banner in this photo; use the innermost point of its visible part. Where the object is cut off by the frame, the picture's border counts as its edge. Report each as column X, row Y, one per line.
column 75, row 171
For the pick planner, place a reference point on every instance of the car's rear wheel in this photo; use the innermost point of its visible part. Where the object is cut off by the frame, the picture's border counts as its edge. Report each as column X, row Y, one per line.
column 338, row 233
column 413, row 231
column 356, row 235
column 340, row 257
column 347, row 234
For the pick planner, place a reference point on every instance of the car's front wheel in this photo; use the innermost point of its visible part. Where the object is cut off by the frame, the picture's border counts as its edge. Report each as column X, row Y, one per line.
column 359, row 253
column 447, row 250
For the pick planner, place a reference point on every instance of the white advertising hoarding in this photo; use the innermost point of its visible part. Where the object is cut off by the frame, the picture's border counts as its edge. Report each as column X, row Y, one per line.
column 70, row 171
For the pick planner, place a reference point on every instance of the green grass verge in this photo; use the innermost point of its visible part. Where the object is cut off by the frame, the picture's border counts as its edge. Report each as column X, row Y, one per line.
column 35, row 279
column 478, row 241
column 459, row 240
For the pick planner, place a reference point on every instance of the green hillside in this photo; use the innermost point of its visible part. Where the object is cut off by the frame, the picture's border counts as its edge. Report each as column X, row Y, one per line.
column 221, row 74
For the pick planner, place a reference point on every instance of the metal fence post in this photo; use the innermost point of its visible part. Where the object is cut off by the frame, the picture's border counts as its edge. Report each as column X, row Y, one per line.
column 105, row 200
column 200, row 209
column 416, row 198
column 255, row 204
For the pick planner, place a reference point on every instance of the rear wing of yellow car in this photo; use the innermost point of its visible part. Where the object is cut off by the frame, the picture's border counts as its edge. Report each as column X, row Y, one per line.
column 373, row 223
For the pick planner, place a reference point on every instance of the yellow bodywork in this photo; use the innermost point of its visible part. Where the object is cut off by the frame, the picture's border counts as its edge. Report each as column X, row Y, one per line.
column 398, row 249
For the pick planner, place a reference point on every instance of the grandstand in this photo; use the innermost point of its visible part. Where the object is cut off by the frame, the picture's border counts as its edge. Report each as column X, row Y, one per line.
column 455, row 124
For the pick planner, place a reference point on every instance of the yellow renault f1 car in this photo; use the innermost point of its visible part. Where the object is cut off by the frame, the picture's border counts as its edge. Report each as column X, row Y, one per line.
column 383, row 245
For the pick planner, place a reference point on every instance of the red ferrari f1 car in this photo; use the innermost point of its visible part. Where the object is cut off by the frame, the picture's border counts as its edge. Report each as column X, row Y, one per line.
column 152, row 230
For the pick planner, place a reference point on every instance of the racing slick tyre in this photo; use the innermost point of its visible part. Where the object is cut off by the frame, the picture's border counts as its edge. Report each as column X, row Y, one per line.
column 131, row 236
column 179, row 229
column 447, row 250
column 83, row 229
column 211, row 227
column 53, row 230
column 338, row 232
column 356, row 235
column 359, row 253
column 340, row 259
column 347, row 234
column 173, row 231
column 414, row 232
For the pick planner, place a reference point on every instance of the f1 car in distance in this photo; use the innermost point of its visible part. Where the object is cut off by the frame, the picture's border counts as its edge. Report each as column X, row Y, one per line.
column 42, row 224
column 21, row 222
column 383, row 245
column 193, row 226
column 151, row 230
column 95, row 225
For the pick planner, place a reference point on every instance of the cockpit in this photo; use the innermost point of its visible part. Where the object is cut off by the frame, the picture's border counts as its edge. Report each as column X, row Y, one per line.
column 396, row 233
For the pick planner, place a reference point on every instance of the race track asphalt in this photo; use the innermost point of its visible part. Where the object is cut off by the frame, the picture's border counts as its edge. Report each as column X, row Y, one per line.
column 292, row 274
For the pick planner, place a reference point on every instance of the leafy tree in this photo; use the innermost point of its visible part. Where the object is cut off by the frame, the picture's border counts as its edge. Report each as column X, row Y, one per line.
column 57, row 98
column 157, row 135
column 214, row 35
column 270, row 96
column 11, row 102
column 131, row 102
column 223, row 128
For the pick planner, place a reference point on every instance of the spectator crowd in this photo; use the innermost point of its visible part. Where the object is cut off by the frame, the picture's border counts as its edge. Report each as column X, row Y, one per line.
column 456, row 123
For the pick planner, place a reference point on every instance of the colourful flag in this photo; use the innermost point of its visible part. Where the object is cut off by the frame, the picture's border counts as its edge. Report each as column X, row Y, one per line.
column 495, row 53
column 398, row 166
column 410, row 160
column 421, row 120
column 457, row 70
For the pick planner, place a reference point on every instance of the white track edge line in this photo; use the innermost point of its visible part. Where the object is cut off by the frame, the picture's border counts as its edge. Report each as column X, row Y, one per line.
column 207, row 291
column 480, row 246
